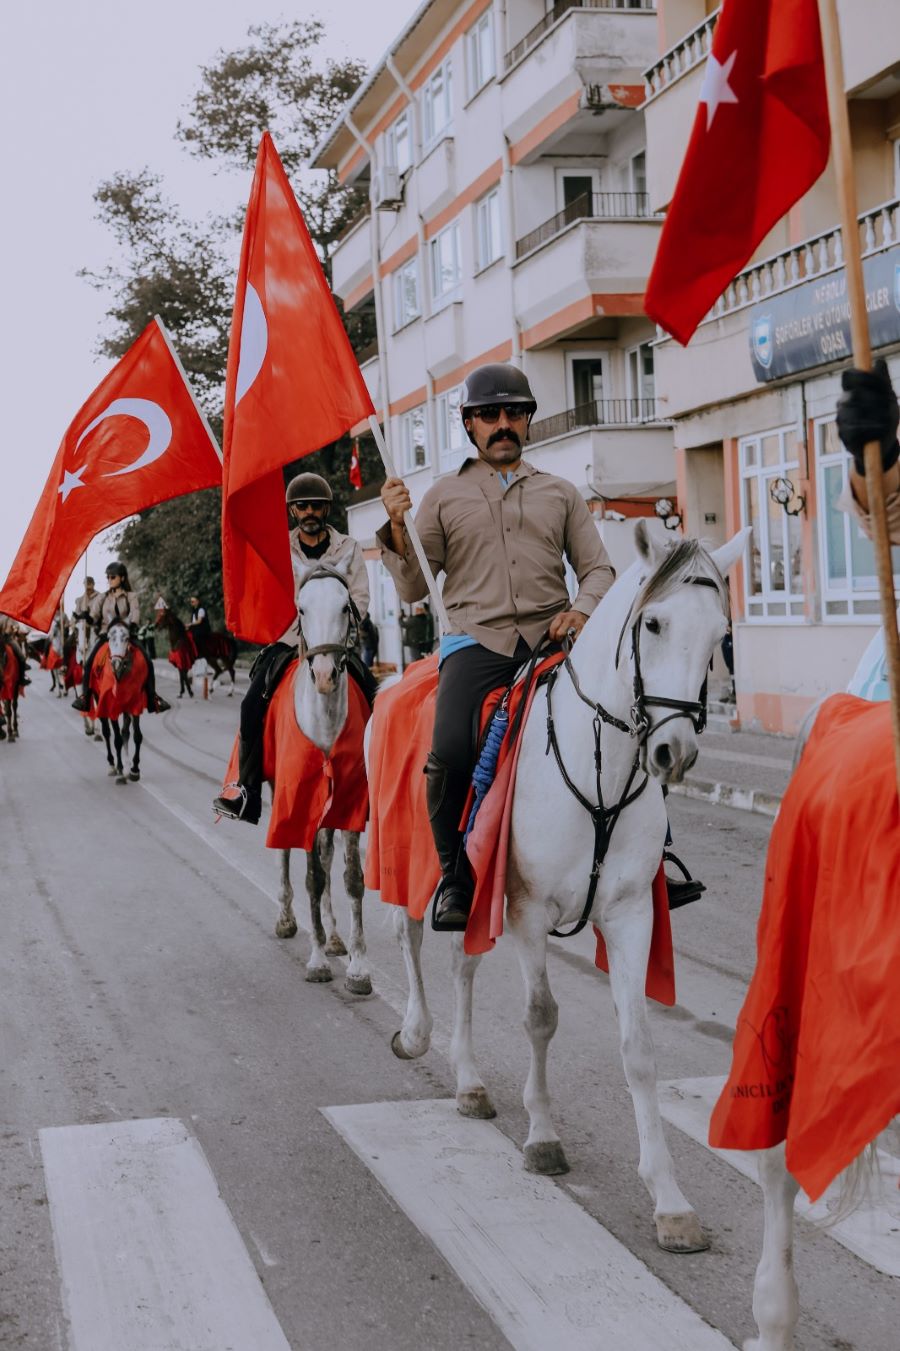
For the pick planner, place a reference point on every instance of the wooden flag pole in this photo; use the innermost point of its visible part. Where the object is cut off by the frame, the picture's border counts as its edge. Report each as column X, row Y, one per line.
column 862, row 350
column 414, row 536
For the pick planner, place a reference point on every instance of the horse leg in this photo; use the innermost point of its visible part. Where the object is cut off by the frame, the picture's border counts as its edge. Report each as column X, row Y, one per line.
column 358, row 980
column 471, row 1094
column 627, row 931
column 528, row 925
column 776, row 1306
column 231, row 673
column 334, row 944
column 318, row 967
column 286, row 925
column 414, row 1037
column 104, row 728
column 135, row 772
column 118, row 739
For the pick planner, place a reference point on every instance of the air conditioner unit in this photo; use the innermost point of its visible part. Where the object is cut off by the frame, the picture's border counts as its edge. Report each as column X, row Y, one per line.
column 388, row 189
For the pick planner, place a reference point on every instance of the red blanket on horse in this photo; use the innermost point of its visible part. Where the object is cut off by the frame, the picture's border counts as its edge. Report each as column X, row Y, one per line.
column 817, row 1049
column 50, row 658
column 74, row 671
column 110, row 697
column 183, row 654
column 309, row 791
column 401, row 861
column 11, row 674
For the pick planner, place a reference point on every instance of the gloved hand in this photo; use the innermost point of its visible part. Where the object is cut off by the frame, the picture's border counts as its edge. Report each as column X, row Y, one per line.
column 867, row 411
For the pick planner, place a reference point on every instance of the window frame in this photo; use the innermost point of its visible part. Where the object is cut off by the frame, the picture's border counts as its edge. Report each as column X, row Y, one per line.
column 444, row 297
column 449, row 458
column 473, row 49
column 432, row 134
column 571, row 171
column 762, row 607
column 482, row 263
column 401, row 317
column 591, row 354
column 405, row 426
column 632, row 358
column 390, row 137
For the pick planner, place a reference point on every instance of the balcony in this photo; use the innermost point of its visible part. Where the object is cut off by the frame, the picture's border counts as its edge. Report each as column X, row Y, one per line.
column 590, row 206
column 599, row 413
column 351, row 259
column 673, row 90
column 611, row 458
column 534, row 35
column 437, row 178
column 574, row 77
column 444, row 340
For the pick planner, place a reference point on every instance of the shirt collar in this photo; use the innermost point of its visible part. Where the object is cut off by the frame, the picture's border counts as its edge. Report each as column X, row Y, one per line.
column 475, row 464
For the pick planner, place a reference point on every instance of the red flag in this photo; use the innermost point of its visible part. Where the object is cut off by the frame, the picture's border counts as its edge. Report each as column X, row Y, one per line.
column 760, row 140
column 355, row 472
column 293, row 386
column 140, row 439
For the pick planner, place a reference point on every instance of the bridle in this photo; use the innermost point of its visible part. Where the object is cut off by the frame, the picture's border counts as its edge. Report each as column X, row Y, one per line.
column 641, row 727
column 343, row 649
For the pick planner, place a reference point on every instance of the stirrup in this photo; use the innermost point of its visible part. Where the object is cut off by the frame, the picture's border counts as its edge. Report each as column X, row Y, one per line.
column 452, row 918
column 681, row 893
column 235, row 808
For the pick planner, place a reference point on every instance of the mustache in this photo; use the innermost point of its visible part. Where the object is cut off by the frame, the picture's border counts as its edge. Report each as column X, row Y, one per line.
column 505, row 434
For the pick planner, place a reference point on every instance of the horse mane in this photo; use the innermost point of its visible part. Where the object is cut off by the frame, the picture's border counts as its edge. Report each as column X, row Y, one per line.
column 683, row 560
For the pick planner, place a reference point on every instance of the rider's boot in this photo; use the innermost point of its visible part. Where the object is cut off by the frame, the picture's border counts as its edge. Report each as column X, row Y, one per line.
column 246, row 803
column 83, row 702
column 445, row 794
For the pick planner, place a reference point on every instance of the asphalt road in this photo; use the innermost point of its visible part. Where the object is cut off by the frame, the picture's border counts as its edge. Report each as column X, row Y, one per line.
column 140, row 979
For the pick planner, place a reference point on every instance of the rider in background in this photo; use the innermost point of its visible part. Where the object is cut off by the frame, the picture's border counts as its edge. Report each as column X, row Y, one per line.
column 119, row 602
column 9, row 630
column 199, row 625
column 313, row 540
column 87, row 606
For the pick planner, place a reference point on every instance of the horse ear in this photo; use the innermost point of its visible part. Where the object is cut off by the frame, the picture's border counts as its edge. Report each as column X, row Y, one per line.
column 649, row 549
column 342, row 565
column 728, row 554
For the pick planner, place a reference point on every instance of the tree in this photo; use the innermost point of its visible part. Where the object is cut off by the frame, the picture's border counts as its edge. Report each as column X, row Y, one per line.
column 184, row 271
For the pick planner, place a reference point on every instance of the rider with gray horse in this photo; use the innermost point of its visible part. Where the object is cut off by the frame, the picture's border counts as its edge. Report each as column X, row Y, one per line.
column 313, row 541
column 498, row 529
column 118, row 602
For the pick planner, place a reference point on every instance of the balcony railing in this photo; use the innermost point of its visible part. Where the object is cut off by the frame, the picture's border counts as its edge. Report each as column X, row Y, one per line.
column 589, row 206
column 879, row 229
column 535, row 34
column 367, row 353
column 678, row 60
column 599, row 413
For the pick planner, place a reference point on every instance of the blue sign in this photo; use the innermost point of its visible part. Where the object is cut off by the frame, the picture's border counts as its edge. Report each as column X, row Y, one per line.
column 809, row 325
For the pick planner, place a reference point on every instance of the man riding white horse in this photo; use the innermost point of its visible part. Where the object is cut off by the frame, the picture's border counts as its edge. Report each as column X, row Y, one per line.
column 118, row 602
column 313, row 540
column 87, row 606
column 499, row 529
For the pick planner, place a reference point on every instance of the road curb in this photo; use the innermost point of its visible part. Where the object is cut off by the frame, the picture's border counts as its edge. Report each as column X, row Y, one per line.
column 729, row 795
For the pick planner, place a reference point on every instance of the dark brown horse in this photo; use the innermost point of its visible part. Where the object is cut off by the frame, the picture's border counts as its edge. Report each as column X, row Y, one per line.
column 10, row 677
column 219, row 649
column 182, row 653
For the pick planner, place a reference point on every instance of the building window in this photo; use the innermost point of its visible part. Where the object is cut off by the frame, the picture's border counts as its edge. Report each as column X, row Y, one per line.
column 406, row 293
column 437, row 103
column 488, row 232
column 414, row 451
column 773, row 581
column 639, row 172
column 399, row 143
column 586, row 384
column 576, row 192
column 452, row 440
column 641, row 383
column 480, row 53
column 846, row 554
column 446, row 265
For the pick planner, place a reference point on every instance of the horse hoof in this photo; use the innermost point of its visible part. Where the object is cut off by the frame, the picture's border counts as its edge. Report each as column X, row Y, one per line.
column 121, row 779
column 357, row 984
column 680, row 1233
column 319, row 975
column 111, row 772
column 400, row 1050
column 335, row 946
column 476, row 1104
column 286, row 928
column 546, row 1157
column 134, row 775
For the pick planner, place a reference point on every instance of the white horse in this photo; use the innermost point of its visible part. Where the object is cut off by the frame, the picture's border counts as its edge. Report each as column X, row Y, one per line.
column 327, row 625
column 647, row 646
column 83, row 644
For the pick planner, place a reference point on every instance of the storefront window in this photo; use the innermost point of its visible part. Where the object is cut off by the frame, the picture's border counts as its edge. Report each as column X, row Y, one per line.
column 774, row 579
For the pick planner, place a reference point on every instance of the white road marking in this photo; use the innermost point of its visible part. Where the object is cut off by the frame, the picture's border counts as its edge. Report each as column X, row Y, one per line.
column 150, row 1258
column 546, row 1272
column 872, row 1232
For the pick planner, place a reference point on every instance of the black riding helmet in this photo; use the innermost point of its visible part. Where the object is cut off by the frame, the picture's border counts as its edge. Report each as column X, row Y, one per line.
column 308, row 488
column 119, row 570
column 499, row 382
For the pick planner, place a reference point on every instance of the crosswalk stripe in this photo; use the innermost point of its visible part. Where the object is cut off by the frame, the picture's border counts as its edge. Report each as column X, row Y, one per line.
column 148, row 1252
column 545, row 1271
column 871, row 1232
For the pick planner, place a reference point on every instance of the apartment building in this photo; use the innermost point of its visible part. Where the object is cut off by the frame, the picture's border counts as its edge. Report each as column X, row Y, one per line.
column 751, row 399
column 503, row 147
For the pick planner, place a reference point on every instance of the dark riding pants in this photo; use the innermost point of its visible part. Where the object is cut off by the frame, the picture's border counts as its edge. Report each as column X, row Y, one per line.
column 149, row 683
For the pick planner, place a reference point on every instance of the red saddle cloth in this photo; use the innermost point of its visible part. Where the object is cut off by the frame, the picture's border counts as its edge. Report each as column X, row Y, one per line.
column 401, row 861
column 310, row 791
column 183, row 655
column 817, row 1048
column 9, row 681
column 74, row 671
column 50, row 659
column 110, row 697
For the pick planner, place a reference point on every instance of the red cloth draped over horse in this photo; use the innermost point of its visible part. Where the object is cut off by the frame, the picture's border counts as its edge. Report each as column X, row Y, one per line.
column 310, row 791
column 10, row 672
column 401, row 861
column 183, row 654
column 818, row 1040
column 110, row 698
column 50, row 658
column 74, row 670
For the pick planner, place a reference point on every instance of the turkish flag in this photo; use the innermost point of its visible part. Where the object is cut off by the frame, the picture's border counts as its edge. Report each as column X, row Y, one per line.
column 293, row 385
column 140, row 439
column 355, row 471
column 760, row 140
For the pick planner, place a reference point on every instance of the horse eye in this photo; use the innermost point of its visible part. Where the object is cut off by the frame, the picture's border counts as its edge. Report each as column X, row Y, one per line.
column 300, row 613
column 346, row 610
column 652, row 625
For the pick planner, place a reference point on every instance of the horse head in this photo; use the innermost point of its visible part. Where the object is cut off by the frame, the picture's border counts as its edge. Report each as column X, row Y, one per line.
column 326, row 622
column 678, row 615
column 120, row 649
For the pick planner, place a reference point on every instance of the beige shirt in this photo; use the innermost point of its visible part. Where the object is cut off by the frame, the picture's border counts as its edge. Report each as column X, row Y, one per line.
column 341, row 548
column 502, row 553
column 89, row 604
column 119, row 605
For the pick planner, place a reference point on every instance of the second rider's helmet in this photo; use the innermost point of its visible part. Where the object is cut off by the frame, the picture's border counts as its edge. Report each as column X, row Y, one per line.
column 308, row 488
column 500, row 382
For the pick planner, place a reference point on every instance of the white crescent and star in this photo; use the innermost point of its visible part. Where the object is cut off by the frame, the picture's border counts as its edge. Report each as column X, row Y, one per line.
column 716, row 89
column 154, row 418
column 254, row 343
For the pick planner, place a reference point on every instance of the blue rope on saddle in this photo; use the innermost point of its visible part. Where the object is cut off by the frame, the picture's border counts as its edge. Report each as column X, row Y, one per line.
column 485, row 770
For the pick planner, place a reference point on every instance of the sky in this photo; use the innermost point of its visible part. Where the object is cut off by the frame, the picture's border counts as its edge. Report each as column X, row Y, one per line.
column 89, row 88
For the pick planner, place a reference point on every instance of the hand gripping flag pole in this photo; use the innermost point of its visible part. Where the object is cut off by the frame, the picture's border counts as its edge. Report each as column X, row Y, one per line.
column 862, row 348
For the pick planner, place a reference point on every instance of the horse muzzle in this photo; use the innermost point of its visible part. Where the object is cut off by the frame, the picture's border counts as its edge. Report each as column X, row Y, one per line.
column 670, row 755
column 325, row 674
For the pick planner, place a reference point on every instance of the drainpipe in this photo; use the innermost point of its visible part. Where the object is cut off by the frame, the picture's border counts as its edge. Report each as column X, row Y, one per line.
column 376, row 270
column 509, row 201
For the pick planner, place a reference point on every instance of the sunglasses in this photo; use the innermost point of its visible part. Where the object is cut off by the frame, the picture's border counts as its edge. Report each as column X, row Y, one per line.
column 309, row 506
column 490, row 413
